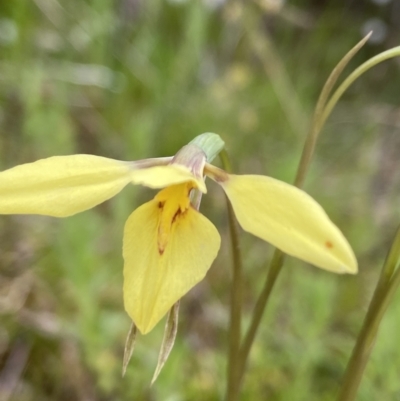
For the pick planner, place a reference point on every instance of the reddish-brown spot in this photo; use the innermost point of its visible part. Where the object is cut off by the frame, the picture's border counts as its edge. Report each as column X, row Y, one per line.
column 178, row 212
column 160, row 251
column 161, row 204
column 329, row 244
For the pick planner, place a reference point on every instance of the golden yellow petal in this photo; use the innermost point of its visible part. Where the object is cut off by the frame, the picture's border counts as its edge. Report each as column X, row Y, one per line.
column 291, row 220
column 61, row 186
column 164, row 176
column 154, row 280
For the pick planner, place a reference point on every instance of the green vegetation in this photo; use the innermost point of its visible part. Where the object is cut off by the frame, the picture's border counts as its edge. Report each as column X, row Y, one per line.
column 136, row 79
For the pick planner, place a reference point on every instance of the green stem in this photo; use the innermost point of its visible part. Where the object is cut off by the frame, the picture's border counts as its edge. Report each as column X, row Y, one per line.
column 322, row 112
column 386, row 285
column 392, row 260
column 273, row 273
column 316, row 126
column 278, row 257
column 384, row 293
column 236, row 297
column 388, row 54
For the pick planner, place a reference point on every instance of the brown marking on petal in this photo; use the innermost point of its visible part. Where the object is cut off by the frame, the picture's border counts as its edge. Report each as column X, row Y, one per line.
column 329, row 244
column 178, row 212
column 162, row 237
column 171, row 204
column 161, row 243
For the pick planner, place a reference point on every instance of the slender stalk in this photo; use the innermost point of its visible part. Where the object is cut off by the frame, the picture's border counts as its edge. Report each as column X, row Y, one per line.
column 385, row 290
column 278, row 257
column 393, row 259
column 316, row 125
column 236, row 297
column 388, row 54
column 322, row 112
column 275, row 268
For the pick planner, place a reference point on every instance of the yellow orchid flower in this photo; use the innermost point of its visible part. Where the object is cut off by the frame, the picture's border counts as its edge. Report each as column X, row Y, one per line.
column 168, row 245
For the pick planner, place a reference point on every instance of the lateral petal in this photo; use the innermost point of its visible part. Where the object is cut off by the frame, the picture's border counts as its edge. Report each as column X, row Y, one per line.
column 61, row 186
column 153, row 282
column 164, row 176
column 289, row 219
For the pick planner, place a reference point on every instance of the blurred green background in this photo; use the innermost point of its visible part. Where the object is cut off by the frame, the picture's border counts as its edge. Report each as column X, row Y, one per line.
column 131, row 79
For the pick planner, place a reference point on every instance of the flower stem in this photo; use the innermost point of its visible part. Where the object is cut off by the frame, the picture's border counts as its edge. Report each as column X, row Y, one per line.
column 278, row 257
column 236, row 297
column 387, row 285
column 273, row 273
column 388, row 54
column 317, row 123
column 237, row 360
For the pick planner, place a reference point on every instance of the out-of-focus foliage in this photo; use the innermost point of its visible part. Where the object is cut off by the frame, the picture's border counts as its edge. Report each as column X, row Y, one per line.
column 130, row 79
